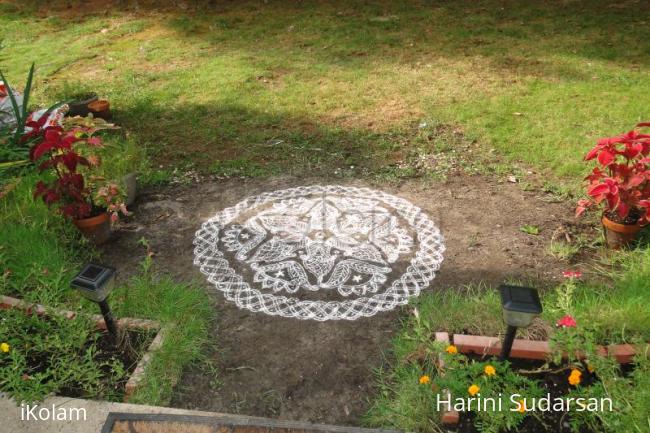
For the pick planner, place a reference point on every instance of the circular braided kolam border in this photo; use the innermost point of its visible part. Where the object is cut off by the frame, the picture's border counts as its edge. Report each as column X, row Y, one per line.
column 418, row 275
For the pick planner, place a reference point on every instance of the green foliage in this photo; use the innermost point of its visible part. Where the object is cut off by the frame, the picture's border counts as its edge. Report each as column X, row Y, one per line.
column 402, row 403
column 606, row 313
column 529, row 229
column 239, row 168
column 185, row 312
column 50, row 354
column 11, row 149
column 628, row 391
column 563, row 250
column 351, row 79
column 616, row 311
column 461, row 373
column 630, row 396
column 39, row 251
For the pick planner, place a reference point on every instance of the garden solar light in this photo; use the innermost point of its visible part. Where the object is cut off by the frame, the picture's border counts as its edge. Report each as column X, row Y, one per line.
column 520, row 306
column 95, row 282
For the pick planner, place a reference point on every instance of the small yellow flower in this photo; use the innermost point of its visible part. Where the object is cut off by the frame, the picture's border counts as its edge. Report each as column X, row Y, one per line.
column 473, row 390
column 451, row 349
column 590, row 368
column 424, row 379
column 4, row 347
column 489, row 370
column 521, row 408
column 575, row 377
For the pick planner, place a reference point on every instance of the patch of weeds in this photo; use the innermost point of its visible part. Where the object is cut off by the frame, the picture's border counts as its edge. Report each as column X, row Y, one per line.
column 241, row 167
column 530, row 229
column 39, row 250
column 272, row 401
column 156, row 177
column 557, row 192
column 213, row 372
column 449, row 311
column 184, row 25
column 563, row 250
column 69, row 90
column 473, row 240
column 53, row 354
column 130, row 28
column 184, row 310
column 395, row 173
column 121, row 156
column 527, row 186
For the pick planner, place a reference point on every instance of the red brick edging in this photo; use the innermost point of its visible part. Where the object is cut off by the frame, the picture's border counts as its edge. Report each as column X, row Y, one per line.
column 532, row 349
column 136, row 378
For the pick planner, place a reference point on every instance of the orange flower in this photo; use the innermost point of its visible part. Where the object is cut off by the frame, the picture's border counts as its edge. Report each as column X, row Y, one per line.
column 473, row 390
column 489, row 370
column 521, row 408
column 575, row 377
column 424, row 379
column 451, row 349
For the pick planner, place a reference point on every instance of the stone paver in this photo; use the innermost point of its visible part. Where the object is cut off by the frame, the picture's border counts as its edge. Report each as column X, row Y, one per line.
column 11, row 420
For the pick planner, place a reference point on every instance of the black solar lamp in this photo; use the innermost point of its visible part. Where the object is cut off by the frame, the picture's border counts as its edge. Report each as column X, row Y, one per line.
column 95, row 282
column 520, row 306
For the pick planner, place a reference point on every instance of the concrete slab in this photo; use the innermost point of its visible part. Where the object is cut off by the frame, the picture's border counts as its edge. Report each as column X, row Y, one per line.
column 14, row 418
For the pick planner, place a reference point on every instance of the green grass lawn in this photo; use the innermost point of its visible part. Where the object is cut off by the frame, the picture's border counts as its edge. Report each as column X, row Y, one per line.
column 260, row 88
column 254, row 88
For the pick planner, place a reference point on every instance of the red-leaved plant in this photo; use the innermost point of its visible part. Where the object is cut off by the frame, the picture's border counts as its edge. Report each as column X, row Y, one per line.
column 76, row 198
column 621, row 179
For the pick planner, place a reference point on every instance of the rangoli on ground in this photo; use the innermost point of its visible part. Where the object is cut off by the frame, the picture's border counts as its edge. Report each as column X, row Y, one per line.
column 320, row 252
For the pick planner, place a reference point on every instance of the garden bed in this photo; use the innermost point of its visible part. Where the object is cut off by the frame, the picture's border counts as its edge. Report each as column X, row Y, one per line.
column 530, row 359
column 119, row 369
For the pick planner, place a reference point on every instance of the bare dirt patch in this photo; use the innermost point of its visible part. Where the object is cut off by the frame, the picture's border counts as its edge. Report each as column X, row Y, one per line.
column 322, row 372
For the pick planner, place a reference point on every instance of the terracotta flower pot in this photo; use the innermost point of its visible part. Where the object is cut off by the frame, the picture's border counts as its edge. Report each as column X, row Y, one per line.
column 619, row 235
column 79, row 107
column 96, row 229
column 100, row 108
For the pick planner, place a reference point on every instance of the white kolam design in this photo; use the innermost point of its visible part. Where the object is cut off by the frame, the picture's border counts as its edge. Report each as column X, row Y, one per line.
column 320, row 252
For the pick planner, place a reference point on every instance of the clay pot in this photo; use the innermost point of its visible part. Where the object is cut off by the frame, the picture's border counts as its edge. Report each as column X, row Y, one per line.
column 79, row 107
column 100, row 108
column 619, row 235
column 131, row 186
column 96, row 229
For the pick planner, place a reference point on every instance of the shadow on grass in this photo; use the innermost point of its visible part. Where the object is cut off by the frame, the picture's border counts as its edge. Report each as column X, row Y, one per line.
column 515, row 36
column 235, row 140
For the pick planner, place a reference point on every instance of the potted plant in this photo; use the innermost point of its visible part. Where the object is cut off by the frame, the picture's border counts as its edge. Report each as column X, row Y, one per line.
column 620, row 183
column 79, row 103
column 119, row 167
column 89, row 201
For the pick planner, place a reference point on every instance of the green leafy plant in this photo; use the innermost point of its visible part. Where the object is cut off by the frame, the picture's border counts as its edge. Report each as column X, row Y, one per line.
column 19, row 111
column 43, row 355
column 464, row 377
column 529, row 229
column 629, row 394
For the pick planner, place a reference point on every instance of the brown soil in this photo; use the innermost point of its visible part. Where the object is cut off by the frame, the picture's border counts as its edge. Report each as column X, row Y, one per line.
column 322, row 372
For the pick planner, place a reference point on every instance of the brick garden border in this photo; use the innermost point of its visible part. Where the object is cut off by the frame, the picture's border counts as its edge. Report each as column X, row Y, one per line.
column 136, row 378
column 521, row 349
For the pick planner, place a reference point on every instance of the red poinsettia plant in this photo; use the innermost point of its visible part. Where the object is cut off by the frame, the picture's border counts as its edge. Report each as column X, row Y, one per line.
column 621, row 180
column 71, row 187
